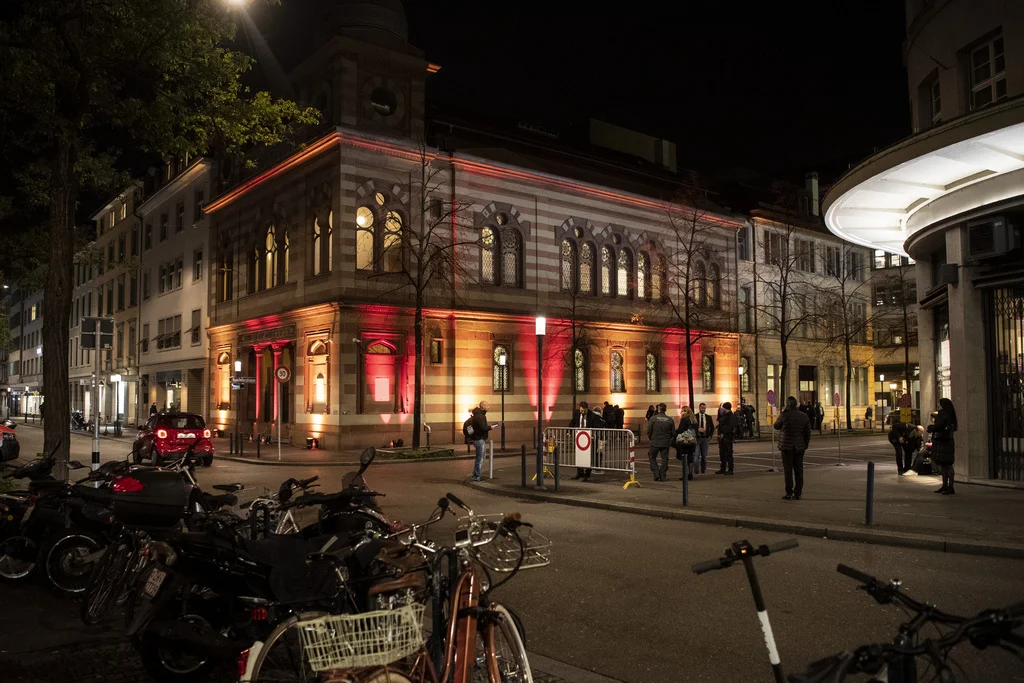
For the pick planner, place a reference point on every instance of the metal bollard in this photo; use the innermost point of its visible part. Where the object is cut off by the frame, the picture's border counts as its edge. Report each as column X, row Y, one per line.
column 231, row 444
column 524, row 464
column 869, row 512
column 540, row 467
column 491, row 444
column 535, row 442
column 686, row 480
column 258, row 441
column 556, row 469
column 241, row 445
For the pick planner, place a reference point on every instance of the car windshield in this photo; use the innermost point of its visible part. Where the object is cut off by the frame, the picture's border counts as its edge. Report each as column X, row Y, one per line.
column 181, row 422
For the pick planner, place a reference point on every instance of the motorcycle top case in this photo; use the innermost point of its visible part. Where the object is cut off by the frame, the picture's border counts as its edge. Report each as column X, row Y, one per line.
column 161, row 503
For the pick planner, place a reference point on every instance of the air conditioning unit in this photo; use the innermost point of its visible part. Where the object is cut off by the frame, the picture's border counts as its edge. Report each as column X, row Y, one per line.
column 990, row 237
column 947, row 274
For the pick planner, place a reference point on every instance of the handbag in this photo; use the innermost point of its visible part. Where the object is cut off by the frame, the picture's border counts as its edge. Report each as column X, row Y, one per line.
column 687, row 437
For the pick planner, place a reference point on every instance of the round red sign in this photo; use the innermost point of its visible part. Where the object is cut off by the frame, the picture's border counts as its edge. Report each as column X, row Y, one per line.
column 582, row 440
column 283, row 373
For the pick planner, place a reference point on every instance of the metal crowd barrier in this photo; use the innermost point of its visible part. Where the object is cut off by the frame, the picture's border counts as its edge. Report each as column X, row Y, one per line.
column 602, row 449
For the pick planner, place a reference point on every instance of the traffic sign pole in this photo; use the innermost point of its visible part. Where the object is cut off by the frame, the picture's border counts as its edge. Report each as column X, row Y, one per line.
column 283, row 375
column 771, row 413
column 837, row 401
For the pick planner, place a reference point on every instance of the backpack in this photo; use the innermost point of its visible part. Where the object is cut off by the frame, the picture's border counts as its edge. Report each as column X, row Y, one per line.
column 467, row 429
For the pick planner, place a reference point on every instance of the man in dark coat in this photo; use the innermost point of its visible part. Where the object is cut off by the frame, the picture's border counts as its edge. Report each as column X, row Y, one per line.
column 608, row 415
column 620, row 418
column 795, row 433
column 728, row 423
column 584, row 419
column 661, row 432
column 479, row 436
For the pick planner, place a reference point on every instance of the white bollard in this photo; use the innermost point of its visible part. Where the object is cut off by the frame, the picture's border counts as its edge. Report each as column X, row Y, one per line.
column 492, row 458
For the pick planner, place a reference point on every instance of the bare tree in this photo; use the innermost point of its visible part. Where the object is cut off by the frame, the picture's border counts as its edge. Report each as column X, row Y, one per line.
column 578, row 312
column 692, row 293
column 421, row 255
column 786, row 307
column 843, row 305
column 895, row 323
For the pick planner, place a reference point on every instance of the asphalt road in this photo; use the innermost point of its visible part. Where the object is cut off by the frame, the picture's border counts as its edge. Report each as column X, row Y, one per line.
column 619, row 597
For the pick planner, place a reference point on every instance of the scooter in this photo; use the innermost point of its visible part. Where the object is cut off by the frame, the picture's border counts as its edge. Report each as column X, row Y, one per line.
column 78, row 421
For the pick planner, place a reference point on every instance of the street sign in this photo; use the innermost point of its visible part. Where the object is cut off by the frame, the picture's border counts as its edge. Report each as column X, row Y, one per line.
column 837, row 400
column 771, row 397
column 583, row 447
column 905, row 401
column 906, row 415
column 283, row 374
column 101, row 328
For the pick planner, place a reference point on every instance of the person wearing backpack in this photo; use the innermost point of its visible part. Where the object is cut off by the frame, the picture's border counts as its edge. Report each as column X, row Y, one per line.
column 475, row 430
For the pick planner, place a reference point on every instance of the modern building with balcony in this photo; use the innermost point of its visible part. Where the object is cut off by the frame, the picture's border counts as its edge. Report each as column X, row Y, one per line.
column 951, row 197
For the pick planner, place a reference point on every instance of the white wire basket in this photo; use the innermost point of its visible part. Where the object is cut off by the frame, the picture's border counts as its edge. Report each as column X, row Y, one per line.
column 351, row 641
column 500, row 552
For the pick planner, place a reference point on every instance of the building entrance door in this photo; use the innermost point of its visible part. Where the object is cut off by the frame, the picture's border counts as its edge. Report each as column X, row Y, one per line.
column 1006, row 382
column 808, row 378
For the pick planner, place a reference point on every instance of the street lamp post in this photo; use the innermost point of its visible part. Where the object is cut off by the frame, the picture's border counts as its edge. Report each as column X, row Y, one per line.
column 503, row 364
column 238, row 407
column 541, row 328
column 892, row 397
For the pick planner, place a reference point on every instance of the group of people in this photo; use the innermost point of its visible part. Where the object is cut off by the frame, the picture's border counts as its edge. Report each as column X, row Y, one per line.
column 814, row 412
column 690, row 439
column 907, row 439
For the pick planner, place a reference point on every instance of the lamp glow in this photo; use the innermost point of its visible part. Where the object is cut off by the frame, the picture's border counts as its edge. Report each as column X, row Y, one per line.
column 542, row 324
column 238, row 366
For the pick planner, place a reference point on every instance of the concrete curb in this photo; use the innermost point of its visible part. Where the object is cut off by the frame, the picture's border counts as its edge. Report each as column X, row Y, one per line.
column 565, row 672
column 349, row 463
column 874, row 536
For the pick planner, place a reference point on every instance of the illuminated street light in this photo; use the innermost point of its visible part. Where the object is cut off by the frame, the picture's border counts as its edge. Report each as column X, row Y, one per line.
column 541, row 328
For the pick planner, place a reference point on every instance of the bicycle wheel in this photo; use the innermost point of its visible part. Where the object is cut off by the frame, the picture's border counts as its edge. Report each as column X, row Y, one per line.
column 501, row 655
column 281, row 659
column 70, row 562
column 17, row 557
column 107, row 581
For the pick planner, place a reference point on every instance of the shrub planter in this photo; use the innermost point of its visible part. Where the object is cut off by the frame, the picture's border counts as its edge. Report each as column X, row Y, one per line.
column 415, row 453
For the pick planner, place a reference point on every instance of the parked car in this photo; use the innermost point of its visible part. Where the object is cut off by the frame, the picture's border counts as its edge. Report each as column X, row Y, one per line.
column 166, row 436
column 10, row 449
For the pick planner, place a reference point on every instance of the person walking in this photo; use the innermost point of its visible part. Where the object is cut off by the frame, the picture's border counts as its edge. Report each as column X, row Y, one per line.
column 584, row 419
column 795, row 434
column 661, row 432
column 943, row 447
column 686, row 442
column 869, row 416
column 898, row 432
column 705, row 428
column 726, row 438
column 650, row 413
column 478, row 436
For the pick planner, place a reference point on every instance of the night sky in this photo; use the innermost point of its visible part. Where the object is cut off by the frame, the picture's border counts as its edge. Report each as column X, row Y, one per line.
column 783, row 87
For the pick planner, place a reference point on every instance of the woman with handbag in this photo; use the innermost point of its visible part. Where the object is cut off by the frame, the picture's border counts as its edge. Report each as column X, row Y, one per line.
column 943, row 448
column 686, row 440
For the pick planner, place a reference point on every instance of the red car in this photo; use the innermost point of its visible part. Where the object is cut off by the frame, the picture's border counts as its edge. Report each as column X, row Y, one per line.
column 167, row 435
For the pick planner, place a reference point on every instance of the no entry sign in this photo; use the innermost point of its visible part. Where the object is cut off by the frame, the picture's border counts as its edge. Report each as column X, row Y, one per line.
column 837, row 400
column 583, row 442
column 771, row 397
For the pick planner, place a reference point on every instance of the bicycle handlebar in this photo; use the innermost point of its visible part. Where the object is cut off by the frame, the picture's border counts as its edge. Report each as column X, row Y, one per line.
column 453, row 498
column 709, row 566
column 856, row 574
column 787, row 544
column 737, row 551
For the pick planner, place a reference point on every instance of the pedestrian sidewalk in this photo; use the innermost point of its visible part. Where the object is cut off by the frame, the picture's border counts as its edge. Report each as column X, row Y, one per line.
column 978, row 519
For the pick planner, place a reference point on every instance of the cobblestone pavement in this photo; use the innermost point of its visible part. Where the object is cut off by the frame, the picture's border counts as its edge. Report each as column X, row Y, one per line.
column 110, row 661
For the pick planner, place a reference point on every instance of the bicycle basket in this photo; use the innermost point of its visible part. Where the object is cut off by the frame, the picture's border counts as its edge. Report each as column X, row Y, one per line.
column 350, row 641
column 500, row 552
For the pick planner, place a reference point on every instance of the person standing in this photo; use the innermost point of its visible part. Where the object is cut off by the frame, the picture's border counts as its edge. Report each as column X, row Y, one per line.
column 943, row 447
column 608, row 415
column 726, row 439
column 661, row 432
column 705, row 428
column 152, row 410
column 795, row 433
column 620, row 418
column 686, row 442
column 869, row 416
column 897, row 438
column 479, row 436
column 584, row 419
column 819, row 415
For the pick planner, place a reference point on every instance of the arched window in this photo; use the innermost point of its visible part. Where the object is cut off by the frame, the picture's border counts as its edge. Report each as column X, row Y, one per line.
column 224, row 380
column 657, row 276
column 270, row 269
column 625, row 274
column 606, row 271
column 618, row 373
column 500, row 368
column 579, row 370
column 488, row 251
column 586, row 277
column 320, row 391
column 318, row 239
column 323, row 251
column 652, row 373
column 642, row 273
column 714, row 287
column 330, row 241
column 365, row 231
column 286, row 253
column 510, row 257
column 225, row 281
column 699, row 283
column 568, row 265
column 393, row 243
column 255, row 263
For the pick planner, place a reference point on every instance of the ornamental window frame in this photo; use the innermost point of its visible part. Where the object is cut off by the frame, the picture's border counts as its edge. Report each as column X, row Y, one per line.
column 502, row 240
column 381, row 222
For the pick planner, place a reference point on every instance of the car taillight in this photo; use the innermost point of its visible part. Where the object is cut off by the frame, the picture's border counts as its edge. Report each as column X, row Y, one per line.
column 127, row 485
column 207, row 433
column 243, row 663
column 161, row 433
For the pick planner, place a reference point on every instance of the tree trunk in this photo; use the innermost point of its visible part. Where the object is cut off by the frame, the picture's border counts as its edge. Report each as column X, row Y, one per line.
column 689, row 348
column 849, row 371
column 784, row 374
column 417, row 400
column 57, row 313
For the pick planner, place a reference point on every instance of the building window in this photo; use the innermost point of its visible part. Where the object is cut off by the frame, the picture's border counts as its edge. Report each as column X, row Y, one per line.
column 124, row 209
column 133, row 342
column 714, row 287
column 197, row 326
column 855, row 265
column 110, row 298
column 745, row 377
column 500, row 254
column 586, row 277
column 135, row 243
column 323, row 241
column 606, row 271
column 618, row 372
column 121, row 243
column 197, row 206
column 145, row 285
column 147, row 237
column 163, row 227
column 805, row 255
column 270, row 267
column 224, row 280
column 773, row 373
column 393, row 242
column 776, row 249
column 436, row 352
column 32, row 313
column 113, row 217
column 169, row 333
column 144, row 341
column 657, row 276
column 488, row 248
column 180, row 223
column 364, row 238
column 110, row 255
column 120, row 293
column 197, row 265
column 746, row 308
column 625, row 271
column 286, row 258
column 317, row 374
column 707, row 372
column 500, row 374
column 935, row 96
column 988, row 73
column 699, row 284
column 224, row 380
column 653, row 384
column 579, row 370
column 743, row 241
column 880, row 259
column 642, row 273
column 568, row 265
